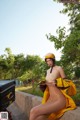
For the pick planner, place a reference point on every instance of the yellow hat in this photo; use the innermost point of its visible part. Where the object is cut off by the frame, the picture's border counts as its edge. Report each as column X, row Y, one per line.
column 50, row 55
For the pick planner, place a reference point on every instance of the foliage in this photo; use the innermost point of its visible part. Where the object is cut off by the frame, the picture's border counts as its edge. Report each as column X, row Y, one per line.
column 6, row 64
column 21, row 68
column 77, row 72
column 18, row 67
column 26, row 76
column 69, row 41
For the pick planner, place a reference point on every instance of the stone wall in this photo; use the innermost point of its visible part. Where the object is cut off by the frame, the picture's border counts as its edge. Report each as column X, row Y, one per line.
column 25, row 102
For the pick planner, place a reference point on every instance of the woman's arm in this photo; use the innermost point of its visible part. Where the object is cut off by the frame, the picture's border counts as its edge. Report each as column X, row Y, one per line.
column 62, row 74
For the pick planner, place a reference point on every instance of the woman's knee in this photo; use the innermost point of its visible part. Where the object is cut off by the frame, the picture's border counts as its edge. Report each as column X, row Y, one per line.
column 33, row 112
column 42, row 117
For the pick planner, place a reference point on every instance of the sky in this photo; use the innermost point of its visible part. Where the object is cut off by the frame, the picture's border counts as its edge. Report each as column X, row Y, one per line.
column 25, row 23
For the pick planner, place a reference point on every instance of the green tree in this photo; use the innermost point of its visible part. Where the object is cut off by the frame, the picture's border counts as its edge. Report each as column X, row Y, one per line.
column 6, row 63
column 18, row 67
column 69, row 43
column 3, row 67
column 9, row 58
column 34, row 68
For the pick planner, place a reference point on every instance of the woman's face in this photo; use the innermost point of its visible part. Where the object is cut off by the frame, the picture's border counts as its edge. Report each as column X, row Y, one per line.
column 49, row 62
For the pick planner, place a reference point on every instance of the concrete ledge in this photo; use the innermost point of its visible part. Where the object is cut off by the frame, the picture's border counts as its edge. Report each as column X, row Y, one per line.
column 16, row 112
column 25, row 102
column 72, row 115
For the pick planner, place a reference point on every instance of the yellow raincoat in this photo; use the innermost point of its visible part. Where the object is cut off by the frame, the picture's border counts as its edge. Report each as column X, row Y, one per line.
column 68, row 88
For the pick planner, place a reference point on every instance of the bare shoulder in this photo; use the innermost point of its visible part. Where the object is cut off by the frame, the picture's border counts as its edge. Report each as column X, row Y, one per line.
column 61, row 71
column 59, row 68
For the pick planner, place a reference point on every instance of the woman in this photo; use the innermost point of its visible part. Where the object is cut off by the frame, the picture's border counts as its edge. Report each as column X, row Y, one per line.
column 56, row 99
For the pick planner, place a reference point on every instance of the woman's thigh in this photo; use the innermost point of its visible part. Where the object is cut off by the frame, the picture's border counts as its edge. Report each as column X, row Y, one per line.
column 49, row 107
column 43, row 117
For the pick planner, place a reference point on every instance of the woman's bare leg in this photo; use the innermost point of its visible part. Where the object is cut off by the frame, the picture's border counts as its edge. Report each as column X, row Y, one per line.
column 43, row 117
column 47, row 108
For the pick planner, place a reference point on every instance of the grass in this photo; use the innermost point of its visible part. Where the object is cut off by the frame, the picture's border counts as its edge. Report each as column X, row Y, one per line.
column 23, row 88
column 29, row 89
column 76, row 98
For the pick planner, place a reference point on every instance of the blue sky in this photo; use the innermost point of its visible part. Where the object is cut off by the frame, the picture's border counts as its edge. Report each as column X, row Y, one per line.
column 25, row 23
